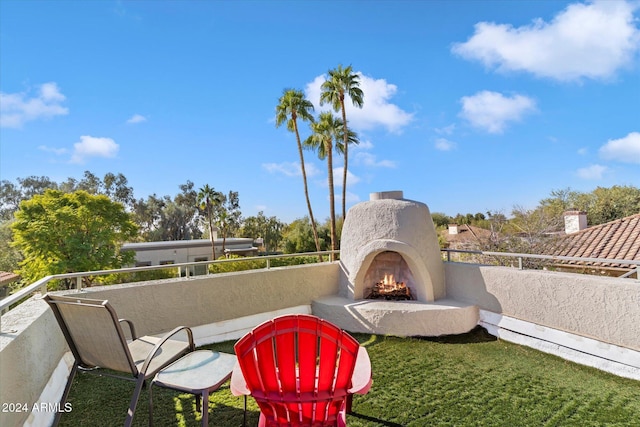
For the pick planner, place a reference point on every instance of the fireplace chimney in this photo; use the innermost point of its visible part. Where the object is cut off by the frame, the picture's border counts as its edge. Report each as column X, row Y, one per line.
column 574, row 221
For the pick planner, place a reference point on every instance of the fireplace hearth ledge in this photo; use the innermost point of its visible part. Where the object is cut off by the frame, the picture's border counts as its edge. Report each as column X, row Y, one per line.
column 401, row 318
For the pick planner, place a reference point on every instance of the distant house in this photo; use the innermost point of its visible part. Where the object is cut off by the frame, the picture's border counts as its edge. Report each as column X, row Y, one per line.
column 619, row 239
column 6, row 278
column 179, row 251
column 465, row 237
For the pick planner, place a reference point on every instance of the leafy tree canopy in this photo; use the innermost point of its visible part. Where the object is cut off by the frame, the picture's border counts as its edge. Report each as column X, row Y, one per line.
column 269, row 228
column 60, row 232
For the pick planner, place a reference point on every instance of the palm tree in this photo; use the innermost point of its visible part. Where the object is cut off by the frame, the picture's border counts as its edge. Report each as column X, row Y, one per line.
column 207, row 200
column 291, row 106
column 325, row 131
column 341, row 82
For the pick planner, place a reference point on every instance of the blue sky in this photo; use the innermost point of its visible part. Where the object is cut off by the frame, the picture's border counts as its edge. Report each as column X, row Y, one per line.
column 470, row 106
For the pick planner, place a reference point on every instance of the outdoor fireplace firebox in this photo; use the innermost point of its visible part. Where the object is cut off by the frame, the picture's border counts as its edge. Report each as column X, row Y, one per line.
column 391, row 236
column 389, row 278
column 392, row 274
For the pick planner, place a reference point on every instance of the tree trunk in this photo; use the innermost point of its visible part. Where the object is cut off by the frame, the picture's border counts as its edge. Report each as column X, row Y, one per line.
column 306, row 191
column 213, row 245
column 346, row 161
column 332, row 204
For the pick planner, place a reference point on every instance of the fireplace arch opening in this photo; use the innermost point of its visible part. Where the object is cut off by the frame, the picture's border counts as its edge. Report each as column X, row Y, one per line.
column 389, row 277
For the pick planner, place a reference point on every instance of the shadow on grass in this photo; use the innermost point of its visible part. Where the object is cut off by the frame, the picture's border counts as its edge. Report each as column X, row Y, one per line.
column 375, row 420
column 476, row 336
column 220, row 415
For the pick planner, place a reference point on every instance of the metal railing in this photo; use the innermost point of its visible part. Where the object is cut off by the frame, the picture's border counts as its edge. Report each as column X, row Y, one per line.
column 520, row 257
column 41, row 285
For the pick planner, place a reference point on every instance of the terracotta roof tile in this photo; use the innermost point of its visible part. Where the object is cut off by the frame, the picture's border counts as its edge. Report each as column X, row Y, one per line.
column 7, row 277
column 619, row 239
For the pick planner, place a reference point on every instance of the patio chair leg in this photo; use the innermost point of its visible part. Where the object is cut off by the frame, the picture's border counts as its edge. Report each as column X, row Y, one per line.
column 65, row 393
column 348, row 403
column 198, row 403
column 151, row 405
column 134, row 401
column 204, row 411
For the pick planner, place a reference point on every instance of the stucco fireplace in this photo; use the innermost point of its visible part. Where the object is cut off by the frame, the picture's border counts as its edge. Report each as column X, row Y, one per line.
column 389, row 246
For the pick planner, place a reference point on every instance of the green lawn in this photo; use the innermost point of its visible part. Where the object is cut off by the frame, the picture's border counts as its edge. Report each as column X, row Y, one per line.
column 466, row 380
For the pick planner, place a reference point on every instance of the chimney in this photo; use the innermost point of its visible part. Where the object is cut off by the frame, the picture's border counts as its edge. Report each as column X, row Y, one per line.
column 574, row 221
column 453, row 228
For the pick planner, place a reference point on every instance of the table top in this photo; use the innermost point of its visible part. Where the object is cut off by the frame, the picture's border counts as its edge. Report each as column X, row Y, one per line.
column 197, row 371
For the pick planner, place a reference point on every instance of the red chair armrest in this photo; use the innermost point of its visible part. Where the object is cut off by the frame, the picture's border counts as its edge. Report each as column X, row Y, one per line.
column 361, row 380
column 238, row 384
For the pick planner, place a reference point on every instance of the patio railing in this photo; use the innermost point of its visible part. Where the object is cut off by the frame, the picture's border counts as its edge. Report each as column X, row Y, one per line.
column 41, row 285
column 634, row 265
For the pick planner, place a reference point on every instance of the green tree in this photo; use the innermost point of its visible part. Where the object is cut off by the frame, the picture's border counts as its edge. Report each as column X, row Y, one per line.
column 342, row 82
column 228, row 215
column 298, row 237
column 440, row 219
column 9, row 256
column 327, row 136
column 609, row 204
column 208, row 199
column 71, row 232
column 291, row 106
column 270, row 229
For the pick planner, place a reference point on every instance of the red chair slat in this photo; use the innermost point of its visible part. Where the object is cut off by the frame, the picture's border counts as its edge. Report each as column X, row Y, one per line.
column 299, row 368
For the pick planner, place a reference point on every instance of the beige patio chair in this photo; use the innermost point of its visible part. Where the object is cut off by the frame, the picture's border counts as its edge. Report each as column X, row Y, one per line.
column 97, row 340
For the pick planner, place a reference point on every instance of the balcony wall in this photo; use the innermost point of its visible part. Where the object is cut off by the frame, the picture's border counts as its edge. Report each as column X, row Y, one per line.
column 602, row 308
column 32, row 367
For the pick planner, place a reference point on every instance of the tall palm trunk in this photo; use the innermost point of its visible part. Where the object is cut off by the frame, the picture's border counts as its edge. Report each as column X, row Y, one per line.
column 306, row 190
column 332, row 203
column 213, row 245
column 346, row 159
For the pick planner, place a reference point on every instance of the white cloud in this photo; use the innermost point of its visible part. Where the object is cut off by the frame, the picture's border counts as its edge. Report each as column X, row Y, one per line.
column 625, row 149
column 444, row 144
column 352, row 198
column 492, row 111
column 57, row 151
column 593, row 172
column 364, row 145
column 137, row 118
column 367, row 159
column 291, row 168
column 362, row 156
column 377, row 109
column 18, row 108
column 337, row 177
column 91, row 146
column 447, row 130
column 585, row 40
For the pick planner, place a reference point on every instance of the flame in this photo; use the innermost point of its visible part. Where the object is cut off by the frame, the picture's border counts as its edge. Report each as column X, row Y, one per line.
column 388, row 280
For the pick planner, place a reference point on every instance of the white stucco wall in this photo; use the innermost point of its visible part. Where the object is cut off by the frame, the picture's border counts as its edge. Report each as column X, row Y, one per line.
column 603, row 308
column 32, row 346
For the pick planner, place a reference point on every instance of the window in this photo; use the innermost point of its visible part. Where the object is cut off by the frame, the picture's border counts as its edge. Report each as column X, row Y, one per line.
column 200, row 270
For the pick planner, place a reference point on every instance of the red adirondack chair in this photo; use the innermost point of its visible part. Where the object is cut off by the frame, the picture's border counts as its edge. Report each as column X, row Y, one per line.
column 301, row 370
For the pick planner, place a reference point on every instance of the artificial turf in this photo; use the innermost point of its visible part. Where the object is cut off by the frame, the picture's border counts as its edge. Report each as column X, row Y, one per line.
column 465, row 380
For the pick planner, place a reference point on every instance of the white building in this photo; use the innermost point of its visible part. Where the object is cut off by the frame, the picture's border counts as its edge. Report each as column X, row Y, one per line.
column 179, row 251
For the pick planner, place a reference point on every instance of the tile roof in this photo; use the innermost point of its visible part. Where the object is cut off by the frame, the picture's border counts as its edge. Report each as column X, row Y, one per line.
column 619, row 239
column 7, row 277
column 468, row 237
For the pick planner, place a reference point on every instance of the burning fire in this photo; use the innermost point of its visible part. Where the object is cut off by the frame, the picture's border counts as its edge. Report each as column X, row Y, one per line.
column 388, row 280
column 389, row 288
